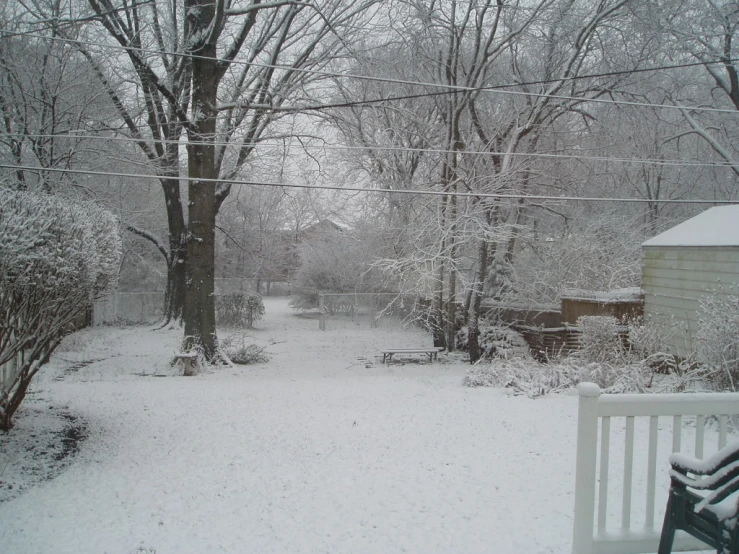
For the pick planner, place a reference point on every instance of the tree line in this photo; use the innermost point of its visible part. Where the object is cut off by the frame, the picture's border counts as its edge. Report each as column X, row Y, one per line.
column 497, row 106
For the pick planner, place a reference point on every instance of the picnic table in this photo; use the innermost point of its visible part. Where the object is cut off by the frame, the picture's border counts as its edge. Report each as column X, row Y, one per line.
column 432, row 352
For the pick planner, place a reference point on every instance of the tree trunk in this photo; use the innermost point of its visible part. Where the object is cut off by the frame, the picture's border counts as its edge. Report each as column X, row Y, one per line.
column 473, row 322
column 174, row 301
column 437, row 312
column 449, row 182
column 451, row 317
column 199, row 313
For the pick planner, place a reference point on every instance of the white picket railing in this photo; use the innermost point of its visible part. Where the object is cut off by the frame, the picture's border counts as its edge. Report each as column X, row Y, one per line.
column 593, row 532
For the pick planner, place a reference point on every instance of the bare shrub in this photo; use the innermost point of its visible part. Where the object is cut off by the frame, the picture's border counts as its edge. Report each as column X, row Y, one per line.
column 73, row 343
column 239, row 309
column 248, row 354
column 648, row 343
column 644, row 340
column 604, row 360
column 240, row 352
column 536, row 379
column 599, row 339
column 716, row 364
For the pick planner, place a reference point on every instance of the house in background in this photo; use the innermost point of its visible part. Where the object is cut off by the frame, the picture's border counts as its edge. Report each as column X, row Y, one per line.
column 695, row 259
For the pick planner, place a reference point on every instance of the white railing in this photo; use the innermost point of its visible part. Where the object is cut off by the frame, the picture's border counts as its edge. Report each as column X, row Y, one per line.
column 600, row 527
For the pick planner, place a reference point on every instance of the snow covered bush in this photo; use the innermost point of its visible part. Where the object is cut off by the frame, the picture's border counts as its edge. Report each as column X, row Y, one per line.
column 526, row 376
column 604, row 359
column 648, row 343
column 600, row 252
column 718, row 342
column 56, row 258
column 239, row 351
column 501, row 342
column 599, row 339
column 239, row 309
column 248, row 354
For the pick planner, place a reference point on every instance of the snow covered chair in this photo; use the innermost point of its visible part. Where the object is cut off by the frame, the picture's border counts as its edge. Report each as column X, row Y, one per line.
column 711, row 516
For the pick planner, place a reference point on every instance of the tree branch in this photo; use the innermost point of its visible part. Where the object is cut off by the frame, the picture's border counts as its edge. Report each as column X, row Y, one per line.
column 151, row 238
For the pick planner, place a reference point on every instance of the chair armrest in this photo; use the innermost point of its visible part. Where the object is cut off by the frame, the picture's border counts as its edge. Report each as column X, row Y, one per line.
column 718, row 476
column 687, row 464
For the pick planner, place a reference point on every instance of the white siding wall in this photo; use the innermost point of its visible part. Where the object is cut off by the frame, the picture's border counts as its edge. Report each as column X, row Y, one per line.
column 674, row 278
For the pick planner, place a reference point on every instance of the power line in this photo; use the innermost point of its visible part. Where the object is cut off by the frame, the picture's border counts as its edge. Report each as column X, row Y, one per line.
column 494, row 196
column 448, row 89
column 669, row 162
column 56, row 22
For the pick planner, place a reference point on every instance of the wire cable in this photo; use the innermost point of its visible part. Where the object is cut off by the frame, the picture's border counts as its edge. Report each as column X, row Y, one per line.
column 341, row 147
column 448, row 89
column 495, row 196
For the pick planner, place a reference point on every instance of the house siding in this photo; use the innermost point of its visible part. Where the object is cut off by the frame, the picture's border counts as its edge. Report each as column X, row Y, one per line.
column 675, row 278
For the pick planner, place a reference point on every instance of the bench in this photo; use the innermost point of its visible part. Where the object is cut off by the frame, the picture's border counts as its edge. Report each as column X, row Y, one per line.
column 700, row 515
column 432, row 352
column 189, row 362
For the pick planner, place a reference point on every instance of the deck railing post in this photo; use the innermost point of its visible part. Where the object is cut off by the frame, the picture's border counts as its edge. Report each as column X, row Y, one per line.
column 587, row 438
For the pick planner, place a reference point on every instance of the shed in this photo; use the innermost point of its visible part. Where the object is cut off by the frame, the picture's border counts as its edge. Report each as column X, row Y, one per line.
column 697, row 258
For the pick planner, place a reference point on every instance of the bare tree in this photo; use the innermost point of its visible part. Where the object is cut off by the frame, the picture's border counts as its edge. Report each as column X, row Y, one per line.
column 46, row 99
column 564, row 43
column 706, row 31
column 220, row 72
column 392, row 134
column 467, row 48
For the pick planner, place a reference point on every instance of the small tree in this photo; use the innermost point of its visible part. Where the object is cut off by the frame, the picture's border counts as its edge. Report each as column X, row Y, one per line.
column 56, row 258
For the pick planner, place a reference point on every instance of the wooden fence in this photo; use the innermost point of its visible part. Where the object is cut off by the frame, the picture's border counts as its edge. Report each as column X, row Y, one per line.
column 623, row 310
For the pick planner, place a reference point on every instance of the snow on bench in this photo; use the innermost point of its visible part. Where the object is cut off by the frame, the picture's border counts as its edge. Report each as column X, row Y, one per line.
column 432, row 352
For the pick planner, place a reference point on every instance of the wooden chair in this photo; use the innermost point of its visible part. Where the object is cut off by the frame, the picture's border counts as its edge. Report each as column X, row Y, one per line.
column 711, row 516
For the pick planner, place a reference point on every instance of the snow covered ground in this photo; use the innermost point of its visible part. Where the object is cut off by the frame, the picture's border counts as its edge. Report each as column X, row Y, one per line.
column 321, row 449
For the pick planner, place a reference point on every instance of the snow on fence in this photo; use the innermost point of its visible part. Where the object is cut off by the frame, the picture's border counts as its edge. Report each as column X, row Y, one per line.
column 623, row 304
column 597, row 526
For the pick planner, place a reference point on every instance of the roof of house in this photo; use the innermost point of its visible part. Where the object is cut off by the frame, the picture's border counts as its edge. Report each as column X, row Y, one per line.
column 717, row 226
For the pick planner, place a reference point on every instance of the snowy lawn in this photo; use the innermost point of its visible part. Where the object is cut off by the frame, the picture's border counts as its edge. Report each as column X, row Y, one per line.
column 321, row 449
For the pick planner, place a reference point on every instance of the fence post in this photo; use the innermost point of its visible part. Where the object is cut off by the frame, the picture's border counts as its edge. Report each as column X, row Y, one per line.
column 321, row 314
column 587, row 440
